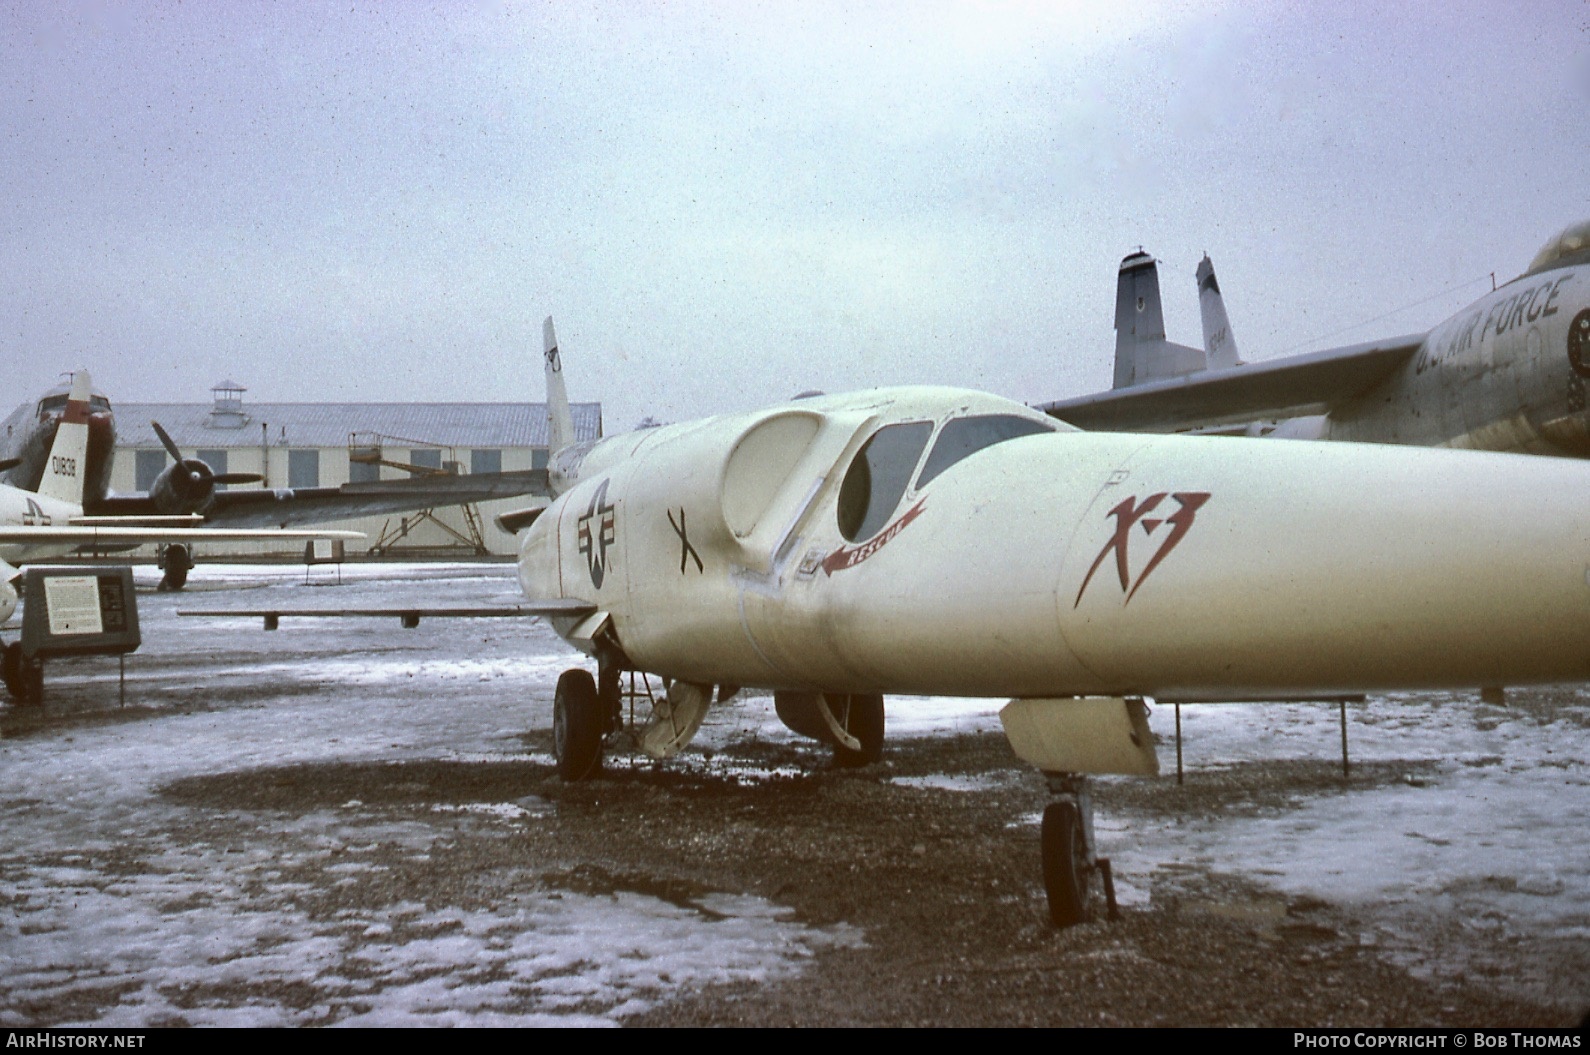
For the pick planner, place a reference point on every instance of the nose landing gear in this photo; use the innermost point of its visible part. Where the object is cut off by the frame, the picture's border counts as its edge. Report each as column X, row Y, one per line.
column 1069, row 861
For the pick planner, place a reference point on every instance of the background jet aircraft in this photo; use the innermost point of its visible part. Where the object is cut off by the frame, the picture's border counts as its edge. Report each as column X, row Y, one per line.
column 1142, row 354
column 1507, row 373
column 189, row 485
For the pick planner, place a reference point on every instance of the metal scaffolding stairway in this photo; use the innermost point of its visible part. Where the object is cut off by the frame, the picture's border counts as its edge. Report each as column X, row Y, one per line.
column 367, row 448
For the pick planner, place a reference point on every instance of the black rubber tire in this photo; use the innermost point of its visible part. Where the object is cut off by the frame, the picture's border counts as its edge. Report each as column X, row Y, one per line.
column 32, row 684
column 11, row 669
column 1066, row 874
column 178, row 562
column 577, row 724
column 861, row 715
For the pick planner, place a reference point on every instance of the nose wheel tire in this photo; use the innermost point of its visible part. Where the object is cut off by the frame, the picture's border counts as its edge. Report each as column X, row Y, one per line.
column 1067, row 872
column 577, row 726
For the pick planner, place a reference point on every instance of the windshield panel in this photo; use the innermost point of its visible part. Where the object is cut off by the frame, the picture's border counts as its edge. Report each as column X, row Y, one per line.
column 961, row 438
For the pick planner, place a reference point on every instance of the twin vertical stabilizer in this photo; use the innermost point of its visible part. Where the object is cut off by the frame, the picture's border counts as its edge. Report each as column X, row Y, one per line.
column 1142, row 354
column 1220, row 348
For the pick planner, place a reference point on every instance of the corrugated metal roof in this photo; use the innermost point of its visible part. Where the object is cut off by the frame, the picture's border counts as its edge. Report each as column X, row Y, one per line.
column 194, row 425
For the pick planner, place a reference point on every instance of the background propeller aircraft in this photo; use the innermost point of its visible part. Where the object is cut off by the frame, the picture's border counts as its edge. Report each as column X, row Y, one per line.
column 1507, row 373
column 189, row 486
column 51, row 523
column 835, row 549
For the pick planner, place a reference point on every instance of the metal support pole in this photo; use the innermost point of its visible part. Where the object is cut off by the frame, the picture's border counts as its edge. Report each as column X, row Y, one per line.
column 1178, row 744
column 121, row 659
column 1346, row 766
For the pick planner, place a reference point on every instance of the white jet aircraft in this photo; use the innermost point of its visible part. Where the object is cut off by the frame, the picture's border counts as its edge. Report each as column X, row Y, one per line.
column 935, row 541
column 50, row 523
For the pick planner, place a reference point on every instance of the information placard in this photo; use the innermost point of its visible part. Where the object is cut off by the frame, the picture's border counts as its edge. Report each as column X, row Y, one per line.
column 79, row 611
column 73, row 603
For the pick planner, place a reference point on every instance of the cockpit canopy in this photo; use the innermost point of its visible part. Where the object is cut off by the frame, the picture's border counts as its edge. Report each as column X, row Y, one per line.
column 880, row 476
column 1570, row 247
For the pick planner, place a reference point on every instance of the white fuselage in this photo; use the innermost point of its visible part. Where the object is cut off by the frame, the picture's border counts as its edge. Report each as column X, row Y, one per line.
column 20, row 508
column 1045, row 565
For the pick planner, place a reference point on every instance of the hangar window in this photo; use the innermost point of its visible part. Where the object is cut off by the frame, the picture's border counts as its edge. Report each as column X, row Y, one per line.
column 216, row 460
column 148, row 466
column 963, row 437
column 878, row 477
column 485, row 461
column 303, row 468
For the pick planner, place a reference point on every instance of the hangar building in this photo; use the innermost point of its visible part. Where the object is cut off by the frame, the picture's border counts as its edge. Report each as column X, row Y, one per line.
column 327, row 444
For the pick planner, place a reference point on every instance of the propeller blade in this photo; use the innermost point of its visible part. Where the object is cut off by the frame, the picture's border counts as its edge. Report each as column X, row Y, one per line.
column 165, row 440
column 9, row 463
column 238, row 478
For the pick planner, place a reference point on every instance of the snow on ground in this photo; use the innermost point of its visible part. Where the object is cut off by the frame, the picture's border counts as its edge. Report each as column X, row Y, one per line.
column 80, row 916
column 1488, row 828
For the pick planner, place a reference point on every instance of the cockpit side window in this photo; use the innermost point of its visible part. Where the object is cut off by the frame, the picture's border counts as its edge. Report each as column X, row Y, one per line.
column 878, row 477
column 51, row 404
column 963, row 437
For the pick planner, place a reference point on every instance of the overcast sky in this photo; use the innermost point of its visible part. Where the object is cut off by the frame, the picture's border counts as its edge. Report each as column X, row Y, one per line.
column 724, row 203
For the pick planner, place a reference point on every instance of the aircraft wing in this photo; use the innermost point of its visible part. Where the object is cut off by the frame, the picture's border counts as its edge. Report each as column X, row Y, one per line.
column 255, row 507
column 92, row 534
column 410, row 617
column 1279, row 388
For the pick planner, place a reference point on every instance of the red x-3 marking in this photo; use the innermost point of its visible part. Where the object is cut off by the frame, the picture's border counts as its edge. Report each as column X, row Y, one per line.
column 1131, row 512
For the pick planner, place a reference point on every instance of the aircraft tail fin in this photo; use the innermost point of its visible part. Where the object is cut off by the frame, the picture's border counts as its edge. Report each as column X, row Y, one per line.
column 1142, row 353
column 63, row 473
column 1220, row 347
column 560, row 420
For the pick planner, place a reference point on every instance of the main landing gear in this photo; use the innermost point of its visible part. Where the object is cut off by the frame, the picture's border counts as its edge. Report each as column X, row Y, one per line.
column 852, row 723
column 176, row 560
column 1069, row 861
column 586, row 711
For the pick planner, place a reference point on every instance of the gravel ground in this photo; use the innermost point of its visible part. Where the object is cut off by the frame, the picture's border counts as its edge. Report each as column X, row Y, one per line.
column 942, row 883
column 928, row 858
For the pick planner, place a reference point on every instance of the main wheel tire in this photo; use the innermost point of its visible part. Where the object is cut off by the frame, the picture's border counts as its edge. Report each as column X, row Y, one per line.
column 1067, row 874
column 178, row 562
column 577, row 724
column 861, row 714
